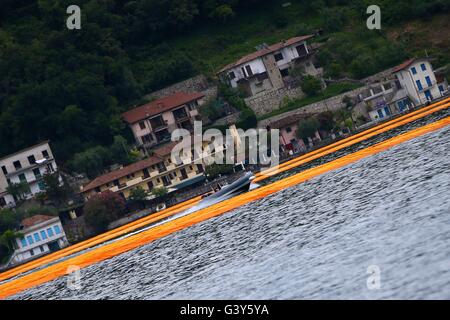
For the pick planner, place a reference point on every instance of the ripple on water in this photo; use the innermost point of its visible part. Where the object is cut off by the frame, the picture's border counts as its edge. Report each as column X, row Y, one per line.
column 313, row 240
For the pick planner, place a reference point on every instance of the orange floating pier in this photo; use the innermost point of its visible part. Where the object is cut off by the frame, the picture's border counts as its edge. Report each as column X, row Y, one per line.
column 123, row 245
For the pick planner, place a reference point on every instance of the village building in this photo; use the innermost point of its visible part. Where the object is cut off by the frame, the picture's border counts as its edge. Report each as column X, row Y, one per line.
column 41, row 234
column 28, row 165
column 153, row 123
column 269, row 67
column 418, row 79
column 288, row 133
column 157, row 170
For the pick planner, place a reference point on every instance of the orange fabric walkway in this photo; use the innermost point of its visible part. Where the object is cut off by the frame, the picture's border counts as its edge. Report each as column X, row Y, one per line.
column 112, row 249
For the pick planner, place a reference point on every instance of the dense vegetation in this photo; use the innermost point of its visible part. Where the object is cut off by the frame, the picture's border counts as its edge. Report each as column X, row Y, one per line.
column 71, row 86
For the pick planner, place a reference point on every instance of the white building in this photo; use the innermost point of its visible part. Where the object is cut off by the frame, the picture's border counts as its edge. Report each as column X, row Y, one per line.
column 416, row 76
column 28, row 165
column 268, row 67
column 42, row 234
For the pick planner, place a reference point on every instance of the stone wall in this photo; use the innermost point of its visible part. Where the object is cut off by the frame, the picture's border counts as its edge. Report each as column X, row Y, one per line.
column 269, row 101
column 196, row 84
column 232, row 118
column 330, row 104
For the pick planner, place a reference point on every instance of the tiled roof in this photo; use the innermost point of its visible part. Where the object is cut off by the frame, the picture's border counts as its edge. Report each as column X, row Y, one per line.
column 265, row 51
column 34, row 220
column 403, row 65
column 158, row 155
column 117, row 174
column 161, row 105
column 165, row 149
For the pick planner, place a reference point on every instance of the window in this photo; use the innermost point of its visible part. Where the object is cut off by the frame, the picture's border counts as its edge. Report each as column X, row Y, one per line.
column 284, row 72
column 45, row 154
column 30, row 240
column 249, row 70
column 147, row 138
column 50, row 232
column 4, row 170
column 43, row 235
column 150, row 185
column 50, row 167
column 31, row 252
column 278, row 56
column 24, row 242
column 428, row 80
column 22, row 178
column 31, row 159
column 419, row 85
column 37, row 173
column 413, row 70
column 423, row 67
column 231, row 75
column 288, row 129
column 380, row 113
column 2, row 202
column 57, row 229
column 142, row 125
column 37, row 237
column 17, row 165
column 441, row 88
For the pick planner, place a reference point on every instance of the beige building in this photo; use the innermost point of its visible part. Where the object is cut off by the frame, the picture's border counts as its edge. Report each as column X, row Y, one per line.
column 268, row 68
column 154, row 122
column 28, row 165
column 158, row 170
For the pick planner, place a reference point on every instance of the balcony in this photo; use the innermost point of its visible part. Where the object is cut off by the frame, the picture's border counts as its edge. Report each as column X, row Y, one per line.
column 158, row 123
column 180, row 114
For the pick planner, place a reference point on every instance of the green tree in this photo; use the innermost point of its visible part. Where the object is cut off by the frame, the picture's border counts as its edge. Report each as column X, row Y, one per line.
column 57, row 189
column 18, row 190
column 311, row 85
column 120, row 150
column 214, row 170
column 159, row 191
column 326, row 120
column 138, row 194
column 307, row 128
column 102, row 209
column 92, row 161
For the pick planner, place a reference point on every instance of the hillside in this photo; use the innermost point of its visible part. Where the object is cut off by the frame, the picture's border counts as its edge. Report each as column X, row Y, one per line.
column 71, row 86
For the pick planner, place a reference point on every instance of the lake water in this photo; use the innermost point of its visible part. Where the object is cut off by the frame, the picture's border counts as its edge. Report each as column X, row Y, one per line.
column 313, row 240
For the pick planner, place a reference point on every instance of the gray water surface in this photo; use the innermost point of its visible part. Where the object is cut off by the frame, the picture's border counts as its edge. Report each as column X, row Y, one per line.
column 313, row 240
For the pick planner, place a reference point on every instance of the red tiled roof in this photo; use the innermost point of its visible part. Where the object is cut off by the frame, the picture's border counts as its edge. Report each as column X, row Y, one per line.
column 161, row 105
column 117, row 174
column 403, row 65
column 265, row 51
column 165, row 149
column 34, row 220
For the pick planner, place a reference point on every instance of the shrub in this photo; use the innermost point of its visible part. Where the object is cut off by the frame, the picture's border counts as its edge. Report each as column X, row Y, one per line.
column 307, row 128
column 102, row 209
column 214, row 170
column 159, row 191
column 138, row 194
column 311, row 85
